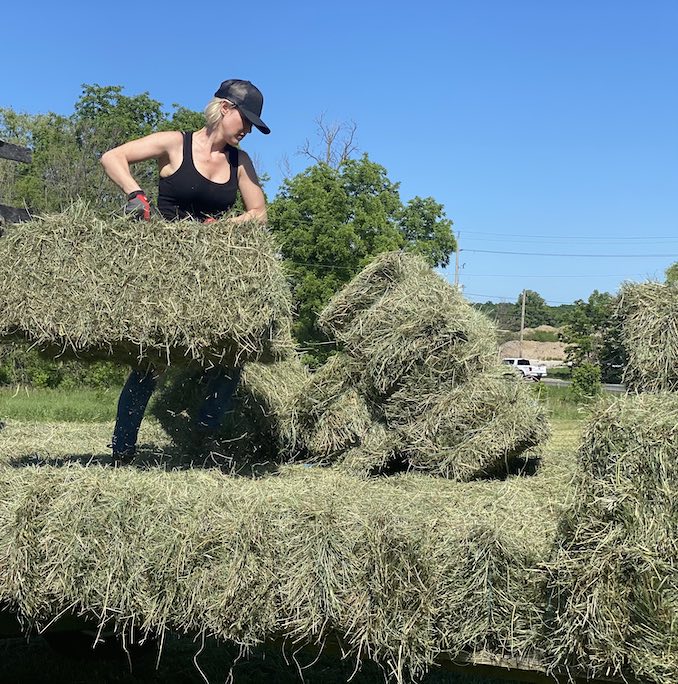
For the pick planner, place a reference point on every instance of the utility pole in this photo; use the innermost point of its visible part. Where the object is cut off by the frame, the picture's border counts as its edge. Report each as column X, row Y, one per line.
column 522, row 325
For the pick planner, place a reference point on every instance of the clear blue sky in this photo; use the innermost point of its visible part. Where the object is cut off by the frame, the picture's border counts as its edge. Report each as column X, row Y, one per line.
column 543, row 127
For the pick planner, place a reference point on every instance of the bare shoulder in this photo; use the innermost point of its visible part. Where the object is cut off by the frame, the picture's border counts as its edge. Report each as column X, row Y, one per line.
column 165, row 139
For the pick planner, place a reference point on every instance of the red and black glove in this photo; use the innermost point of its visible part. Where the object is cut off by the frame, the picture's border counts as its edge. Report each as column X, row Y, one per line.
column 138, row 205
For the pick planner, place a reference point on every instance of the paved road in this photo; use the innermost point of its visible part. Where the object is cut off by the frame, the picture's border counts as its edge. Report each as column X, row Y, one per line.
column 564, row 383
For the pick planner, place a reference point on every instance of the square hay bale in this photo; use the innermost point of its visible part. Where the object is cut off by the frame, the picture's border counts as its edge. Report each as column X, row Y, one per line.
column 475, row 429
column 402, row 571
column 615, row 567
column 331, row 413
column 649, row 313
column 214, row 293
column 408, row 320
column 386, row 272
column 259, row 429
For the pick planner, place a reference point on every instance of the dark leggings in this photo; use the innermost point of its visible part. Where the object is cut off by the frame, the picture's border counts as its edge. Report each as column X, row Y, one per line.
column 220, row 388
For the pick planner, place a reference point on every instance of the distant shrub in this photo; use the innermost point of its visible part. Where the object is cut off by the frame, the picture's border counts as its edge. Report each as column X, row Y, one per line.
column 586, row 382
column 561, row 372
column 22, row 366
column 542, row 336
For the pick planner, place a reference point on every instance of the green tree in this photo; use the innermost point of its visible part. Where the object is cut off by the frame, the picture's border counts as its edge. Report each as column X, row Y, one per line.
column 332, row 221
column 504, row 314
column 66, row 149
column 672, row 274
column 592, row 331
column 586, row 383
column 537, row 312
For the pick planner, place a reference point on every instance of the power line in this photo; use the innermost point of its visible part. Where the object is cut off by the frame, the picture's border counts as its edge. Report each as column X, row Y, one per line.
column 507, row 299
column 551, row 275
column 595, row 256
column 571, row 237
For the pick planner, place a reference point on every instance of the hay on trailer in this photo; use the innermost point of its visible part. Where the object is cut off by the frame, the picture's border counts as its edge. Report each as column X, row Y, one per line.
column 649, row 313
column 258, row 429
column 417, row 384
column 331, row 413
column 419, row 323
column 480, row 428
column 71, row 283
column 476, row 429
column 615, row 568
column 386, row 272
column 401, row 570
column 378, row 453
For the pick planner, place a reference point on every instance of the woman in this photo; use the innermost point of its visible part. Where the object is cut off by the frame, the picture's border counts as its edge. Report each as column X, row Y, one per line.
column 200, row 173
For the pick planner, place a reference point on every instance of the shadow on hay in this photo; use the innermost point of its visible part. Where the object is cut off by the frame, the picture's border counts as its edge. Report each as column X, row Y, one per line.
column 152, row 457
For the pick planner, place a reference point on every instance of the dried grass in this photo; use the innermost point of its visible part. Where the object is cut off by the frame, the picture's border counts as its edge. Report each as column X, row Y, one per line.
column 417, row 384
column 331, row 413
column 649, row 313
column 214, row 293
column 615, row 567
column 400, row 570
column 477, row 429
column 259, row 429
column 409, row 323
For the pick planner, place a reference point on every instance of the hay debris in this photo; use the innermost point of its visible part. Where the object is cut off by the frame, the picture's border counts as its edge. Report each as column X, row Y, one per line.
column 215, row 293
column 649, row 313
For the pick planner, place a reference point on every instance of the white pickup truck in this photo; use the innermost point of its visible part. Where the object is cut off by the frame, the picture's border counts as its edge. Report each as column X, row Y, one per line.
column 529, row 370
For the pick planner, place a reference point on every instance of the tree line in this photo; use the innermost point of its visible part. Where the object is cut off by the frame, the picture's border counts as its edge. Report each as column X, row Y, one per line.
column 591, row 329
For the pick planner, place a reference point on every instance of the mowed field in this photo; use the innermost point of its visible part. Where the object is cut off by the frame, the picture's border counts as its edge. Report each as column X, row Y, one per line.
column 54, row 428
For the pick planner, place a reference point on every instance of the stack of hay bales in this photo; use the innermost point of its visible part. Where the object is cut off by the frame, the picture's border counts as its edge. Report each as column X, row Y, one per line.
column 418, row 383
column 615, row 570
column 257, row 432
column 649, row 312
column 135, row 292
column 401, row 571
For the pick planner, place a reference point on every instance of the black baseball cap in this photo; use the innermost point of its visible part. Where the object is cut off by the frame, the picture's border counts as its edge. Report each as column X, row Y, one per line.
column 247, row 98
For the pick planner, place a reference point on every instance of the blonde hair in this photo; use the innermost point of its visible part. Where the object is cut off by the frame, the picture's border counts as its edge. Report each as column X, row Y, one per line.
column 213, row 113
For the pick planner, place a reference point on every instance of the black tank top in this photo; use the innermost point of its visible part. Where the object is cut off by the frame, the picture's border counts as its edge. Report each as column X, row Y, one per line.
column 188, row 194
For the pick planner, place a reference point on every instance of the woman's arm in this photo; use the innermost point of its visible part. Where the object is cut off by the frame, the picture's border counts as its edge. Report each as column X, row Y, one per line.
column 116, row 162
column 250, row 191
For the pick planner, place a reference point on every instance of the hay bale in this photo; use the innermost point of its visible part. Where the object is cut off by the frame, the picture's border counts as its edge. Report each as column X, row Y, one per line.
column 331, row 413
column 477, row 429
column 387, row 271
column 417, row 384
column 615, row 570
column 408, row 323
column 649, row 313
column 167, row 292
column 259, row 428
column 401, row 570
column 378, row 453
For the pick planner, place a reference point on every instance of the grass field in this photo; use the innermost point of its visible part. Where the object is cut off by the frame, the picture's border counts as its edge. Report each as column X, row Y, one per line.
column 96, row 406
column 53, row 425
